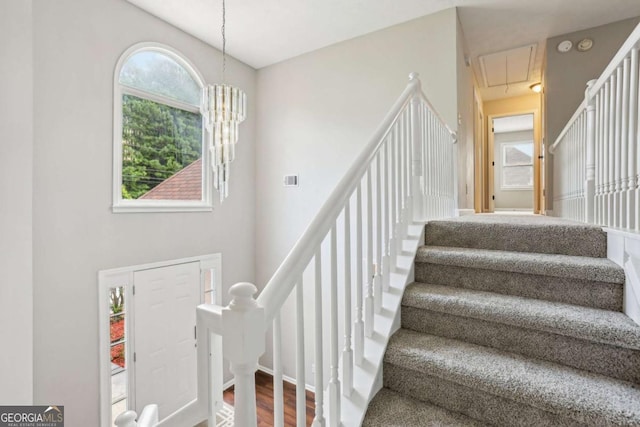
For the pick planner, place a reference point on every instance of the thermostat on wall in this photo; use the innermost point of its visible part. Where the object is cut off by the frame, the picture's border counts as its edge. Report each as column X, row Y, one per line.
column 291, row 180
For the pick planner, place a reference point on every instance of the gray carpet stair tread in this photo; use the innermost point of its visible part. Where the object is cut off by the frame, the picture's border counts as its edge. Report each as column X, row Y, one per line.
column 391, row 409
column 575, row 267
column 603, row 326
column 524, row 233
column 555, row 388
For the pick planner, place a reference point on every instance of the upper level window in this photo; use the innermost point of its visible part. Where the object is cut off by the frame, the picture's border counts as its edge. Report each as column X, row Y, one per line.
column 158, row 133
column 517, row 165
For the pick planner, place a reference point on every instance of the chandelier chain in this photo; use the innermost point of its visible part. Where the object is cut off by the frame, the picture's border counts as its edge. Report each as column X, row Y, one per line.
column 224, row 41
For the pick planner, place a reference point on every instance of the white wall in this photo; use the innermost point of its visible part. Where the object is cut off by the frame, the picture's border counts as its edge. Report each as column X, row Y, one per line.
column 317, row 112
column 77, row 44
column 16, row 169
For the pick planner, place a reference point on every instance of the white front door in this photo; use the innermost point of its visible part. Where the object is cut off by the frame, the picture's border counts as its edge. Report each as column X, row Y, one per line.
column 165, row 303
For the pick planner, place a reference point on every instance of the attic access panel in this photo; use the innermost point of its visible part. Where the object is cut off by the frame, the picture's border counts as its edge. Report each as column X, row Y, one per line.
column 508, row 66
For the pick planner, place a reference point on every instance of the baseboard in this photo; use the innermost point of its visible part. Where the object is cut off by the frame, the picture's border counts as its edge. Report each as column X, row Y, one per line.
column 464, row 212
column 268, row 371
column 286, row 378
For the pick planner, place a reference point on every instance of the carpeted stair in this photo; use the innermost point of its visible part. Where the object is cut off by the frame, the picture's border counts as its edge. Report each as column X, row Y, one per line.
column 512, row 321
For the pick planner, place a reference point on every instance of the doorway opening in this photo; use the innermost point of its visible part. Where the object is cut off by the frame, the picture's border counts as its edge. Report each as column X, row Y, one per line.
column 147, row 340
column 512, row 151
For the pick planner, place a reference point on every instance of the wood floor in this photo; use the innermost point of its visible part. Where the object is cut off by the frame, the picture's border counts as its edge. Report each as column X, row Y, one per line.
column 264, row 398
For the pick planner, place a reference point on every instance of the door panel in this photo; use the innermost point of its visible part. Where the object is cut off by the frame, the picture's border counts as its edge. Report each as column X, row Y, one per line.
column 165, row 367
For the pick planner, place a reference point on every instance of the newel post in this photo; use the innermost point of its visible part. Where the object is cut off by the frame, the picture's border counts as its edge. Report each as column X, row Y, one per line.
column 417, row 192
column 590, row 183
column 243, row 342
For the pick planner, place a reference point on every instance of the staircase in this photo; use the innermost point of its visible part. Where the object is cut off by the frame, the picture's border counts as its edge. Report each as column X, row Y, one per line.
column 512, row 321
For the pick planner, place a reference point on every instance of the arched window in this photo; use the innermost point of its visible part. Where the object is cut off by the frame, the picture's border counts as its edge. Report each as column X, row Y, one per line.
column 158, row 133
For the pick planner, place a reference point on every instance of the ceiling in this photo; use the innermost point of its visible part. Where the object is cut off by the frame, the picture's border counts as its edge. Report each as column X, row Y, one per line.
column 261, row 32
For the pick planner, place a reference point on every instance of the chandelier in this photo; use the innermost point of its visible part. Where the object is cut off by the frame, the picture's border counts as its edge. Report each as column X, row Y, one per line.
column 223, row 108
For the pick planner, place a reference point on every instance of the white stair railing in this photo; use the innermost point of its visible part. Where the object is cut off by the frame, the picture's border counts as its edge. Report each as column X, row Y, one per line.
column 597, row 155
column 406, row 173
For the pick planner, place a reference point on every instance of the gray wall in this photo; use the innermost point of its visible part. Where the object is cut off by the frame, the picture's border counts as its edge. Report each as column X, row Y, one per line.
column 567, row 74
column 16, row 169
column 76, row 46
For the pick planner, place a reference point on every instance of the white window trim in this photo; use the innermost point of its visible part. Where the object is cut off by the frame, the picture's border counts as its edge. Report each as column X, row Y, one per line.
column 121, row 205
column 117, row 277
column 503, row 155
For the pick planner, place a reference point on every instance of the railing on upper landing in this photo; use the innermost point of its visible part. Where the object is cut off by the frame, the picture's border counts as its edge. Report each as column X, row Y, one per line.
column 597, row 155
column 345, row 259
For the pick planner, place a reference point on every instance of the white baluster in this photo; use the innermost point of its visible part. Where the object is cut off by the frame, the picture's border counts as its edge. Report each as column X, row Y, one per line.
column 301, row 394
column 318, row 420
column 632, row 211
column 243, row 331
column 624, row 144
column 358, row 326
column 416, row 156
column 278, row 395
column 347, row 354
column 368, row 301
column 424, row 141
column 334, row 382
column 429, row 166
column 409, row 170
column 636, row 145
column 611, row 144
column 617, row 202
column 406, row 174
column 606, row 159
column 386, row 266
column 402, row 181
column 377, row 282
column 598, row 157
column 393, row 241
column 439, row 171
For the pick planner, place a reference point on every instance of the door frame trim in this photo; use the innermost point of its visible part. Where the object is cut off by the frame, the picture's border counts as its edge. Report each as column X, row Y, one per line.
column 537, row 141
column 123, row 276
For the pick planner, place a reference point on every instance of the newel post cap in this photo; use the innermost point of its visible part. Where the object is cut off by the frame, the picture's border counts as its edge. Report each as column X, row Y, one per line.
column 414, row 79
column 243, row 326
column 242, row 294
column 126, row 419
